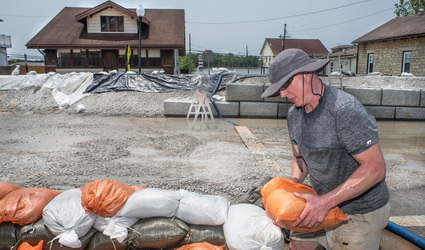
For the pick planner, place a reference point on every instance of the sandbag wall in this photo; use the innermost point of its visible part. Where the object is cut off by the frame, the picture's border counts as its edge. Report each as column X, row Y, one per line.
column 107, row 214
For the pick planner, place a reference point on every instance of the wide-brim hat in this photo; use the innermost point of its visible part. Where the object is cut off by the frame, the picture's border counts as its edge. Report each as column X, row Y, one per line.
column 286, row 65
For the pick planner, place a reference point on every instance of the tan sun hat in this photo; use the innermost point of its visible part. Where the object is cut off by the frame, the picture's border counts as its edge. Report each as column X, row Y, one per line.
column 286, row 65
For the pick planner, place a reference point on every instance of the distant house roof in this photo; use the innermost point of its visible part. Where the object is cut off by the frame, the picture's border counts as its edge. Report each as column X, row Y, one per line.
column 396, row 28
column 310, row 46
column 67, row 30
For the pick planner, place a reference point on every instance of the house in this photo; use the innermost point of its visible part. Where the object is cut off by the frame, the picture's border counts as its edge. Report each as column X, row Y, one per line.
column 5, row 42
column 273, row 46
column 95, row 39
column 393, row 48
column 343, row 59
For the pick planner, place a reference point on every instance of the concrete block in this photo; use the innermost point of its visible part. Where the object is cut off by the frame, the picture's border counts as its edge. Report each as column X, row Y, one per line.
column 404, row 113
column 283, row 109
column 401, row 97
column 226, row 109
column 177, row 106
column 237, row 91
column 366, row 96
column 258, row 110
column 382, row 113
column 422, row 98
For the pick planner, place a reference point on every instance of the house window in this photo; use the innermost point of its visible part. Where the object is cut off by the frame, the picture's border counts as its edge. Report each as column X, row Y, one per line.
column 406, row 61
column 370, row 59
column 93, row 57
column 64, row 58
column 112, row 23
column 79, row 57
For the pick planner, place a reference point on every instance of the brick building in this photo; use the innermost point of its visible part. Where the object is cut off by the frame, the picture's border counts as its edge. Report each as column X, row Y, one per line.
column 393, row 48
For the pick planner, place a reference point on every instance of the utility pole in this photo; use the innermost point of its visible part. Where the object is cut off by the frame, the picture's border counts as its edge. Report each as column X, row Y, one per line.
column 247, row 63
column 284, row 38
column 190, row 44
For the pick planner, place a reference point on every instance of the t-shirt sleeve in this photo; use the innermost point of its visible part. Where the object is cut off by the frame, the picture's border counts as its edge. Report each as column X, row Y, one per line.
column 357, row 130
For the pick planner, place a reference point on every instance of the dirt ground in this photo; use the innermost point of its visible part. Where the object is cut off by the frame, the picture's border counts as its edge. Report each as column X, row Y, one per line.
column 124, row 136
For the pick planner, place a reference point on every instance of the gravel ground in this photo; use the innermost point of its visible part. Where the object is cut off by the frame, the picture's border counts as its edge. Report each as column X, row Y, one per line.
column 124, row 136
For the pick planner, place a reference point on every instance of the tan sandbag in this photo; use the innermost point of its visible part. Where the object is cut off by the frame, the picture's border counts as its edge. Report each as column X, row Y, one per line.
column 105, row 197
column 25, row 205
column 6, row 188
column 284, row 208
column 200, row 246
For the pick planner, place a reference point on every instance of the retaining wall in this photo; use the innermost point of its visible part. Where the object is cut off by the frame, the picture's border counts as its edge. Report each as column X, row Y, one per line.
column 243, row 99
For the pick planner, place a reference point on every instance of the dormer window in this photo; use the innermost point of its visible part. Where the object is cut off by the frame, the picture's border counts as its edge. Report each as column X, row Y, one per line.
column 112, row 23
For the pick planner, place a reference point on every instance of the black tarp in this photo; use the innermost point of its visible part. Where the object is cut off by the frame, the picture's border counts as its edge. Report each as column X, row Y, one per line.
column 120, row 81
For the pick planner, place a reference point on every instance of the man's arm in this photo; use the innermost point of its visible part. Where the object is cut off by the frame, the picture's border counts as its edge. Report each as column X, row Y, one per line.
column 372, row 170
column 298, row 175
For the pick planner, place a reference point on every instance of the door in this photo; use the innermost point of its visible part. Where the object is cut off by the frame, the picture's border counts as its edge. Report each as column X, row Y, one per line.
column 110, row 59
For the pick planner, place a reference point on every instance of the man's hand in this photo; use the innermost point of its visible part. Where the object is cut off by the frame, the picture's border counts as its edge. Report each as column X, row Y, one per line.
column 314, row 212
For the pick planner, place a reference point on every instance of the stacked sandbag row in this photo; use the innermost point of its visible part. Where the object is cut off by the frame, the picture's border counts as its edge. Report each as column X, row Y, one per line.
column 108, row 214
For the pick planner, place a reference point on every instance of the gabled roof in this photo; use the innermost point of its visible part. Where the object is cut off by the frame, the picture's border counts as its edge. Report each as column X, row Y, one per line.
column 103, row 6
column 310, row 46
column 166, row 30
column 402, row 27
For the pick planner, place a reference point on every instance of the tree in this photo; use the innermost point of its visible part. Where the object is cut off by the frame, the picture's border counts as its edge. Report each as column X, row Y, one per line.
column 408, row 7
column 186, row 63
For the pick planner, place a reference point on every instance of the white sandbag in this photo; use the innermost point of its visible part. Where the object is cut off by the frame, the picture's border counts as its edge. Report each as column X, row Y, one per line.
column 201, row 209
column 114, row 227
column 151, row 202
column 66, row 218
column 248, row 227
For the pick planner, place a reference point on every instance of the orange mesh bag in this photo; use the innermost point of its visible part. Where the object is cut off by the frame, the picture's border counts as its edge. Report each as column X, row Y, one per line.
column 200, row 246
column 105, row 197
column 25, row 205
column 6, row 188
column 284, row 208
column 27, row 246
column 135, row 188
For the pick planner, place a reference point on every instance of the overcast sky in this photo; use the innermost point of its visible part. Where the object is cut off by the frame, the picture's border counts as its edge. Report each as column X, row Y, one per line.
column 223, row 26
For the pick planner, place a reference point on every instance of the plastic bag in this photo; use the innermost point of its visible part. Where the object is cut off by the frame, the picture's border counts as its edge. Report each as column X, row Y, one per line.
column 248, row 228
column 99, row 241
column 27, row 246
column 201, row 209
column 114, row 227
column 151, row 202
column 200, row 246
column 105, row 197
column 65, row 217
column 284, row 208
column 6, row 188
column 25, row 205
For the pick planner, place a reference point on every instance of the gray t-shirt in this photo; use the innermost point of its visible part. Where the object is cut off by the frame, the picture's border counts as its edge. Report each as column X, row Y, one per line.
column 336, row 129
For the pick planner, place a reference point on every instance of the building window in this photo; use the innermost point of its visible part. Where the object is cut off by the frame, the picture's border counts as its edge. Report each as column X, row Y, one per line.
column 406, row 61
column 93, row 57
column 112, row 23
column 370, row 59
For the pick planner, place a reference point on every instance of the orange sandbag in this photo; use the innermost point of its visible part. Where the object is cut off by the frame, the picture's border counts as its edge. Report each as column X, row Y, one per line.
column 105, row 197
column 25, row 205
column 135, row 188
column 6, row 188
column 27, row 246
column 283, row 207
column 200, row 246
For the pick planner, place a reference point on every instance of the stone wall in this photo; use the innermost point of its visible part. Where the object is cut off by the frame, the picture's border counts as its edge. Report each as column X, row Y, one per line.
column 388, row 56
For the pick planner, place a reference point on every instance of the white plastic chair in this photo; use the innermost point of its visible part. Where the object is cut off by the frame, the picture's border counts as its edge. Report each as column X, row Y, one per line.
column 200, row 107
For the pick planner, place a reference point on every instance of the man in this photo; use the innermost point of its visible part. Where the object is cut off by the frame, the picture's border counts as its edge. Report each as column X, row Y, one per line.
column 335, row 143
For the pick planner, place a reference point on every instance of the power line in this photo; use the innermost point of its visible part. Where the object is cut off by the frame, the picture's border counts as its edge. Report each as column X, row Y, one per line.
column 335, row 24
column 279, row 18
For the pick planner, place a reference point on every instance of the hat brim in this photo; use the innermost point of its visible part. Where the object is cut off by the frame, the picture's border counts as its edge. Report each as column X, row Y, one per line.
column 273, row 89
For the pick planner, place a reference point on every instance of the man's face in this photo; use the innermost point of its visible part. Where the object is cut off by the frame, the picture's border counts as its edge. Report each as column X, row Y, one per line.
column 294, row 92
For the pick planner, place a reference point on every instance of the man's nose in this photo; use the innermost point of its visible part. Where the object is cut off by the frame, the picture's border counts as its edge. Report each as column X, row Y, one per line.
column 283, row 93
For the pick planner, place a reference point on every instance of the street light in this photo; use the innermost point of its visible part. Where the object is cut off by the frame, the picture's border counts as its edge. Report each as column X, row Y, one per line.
column 140, row 13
